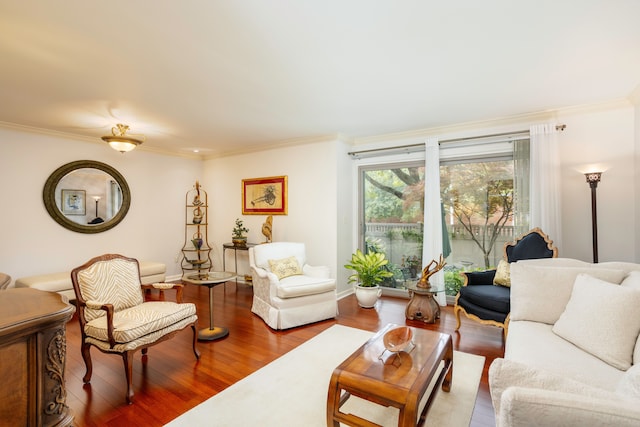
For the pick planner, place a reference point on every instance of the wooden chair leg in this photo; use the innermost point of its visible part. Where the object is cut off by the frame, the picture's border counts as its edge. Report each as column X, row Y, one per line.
column 195, row 341
column 127, row 358
column 456, row 311
column 86, row 356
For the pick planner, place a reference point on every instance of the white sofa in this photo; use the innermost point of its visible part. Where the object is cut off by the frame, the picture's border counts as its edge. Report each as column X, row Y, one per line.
column 572, row 354
column 287, row 292
column 150, row 272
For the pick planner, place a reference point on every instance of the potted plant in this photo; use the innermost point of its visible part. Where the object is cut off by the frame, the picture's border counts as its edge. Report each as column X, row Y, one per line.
column 413, row 263
column 237, row 234
column 369, row 272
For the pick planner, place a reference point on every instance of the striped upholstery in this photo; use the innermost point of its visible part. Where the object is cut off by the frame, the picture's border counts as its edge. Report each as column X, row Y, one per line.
column 114, row 316
column 135, row 322
column 115, row 281
column 142, row 341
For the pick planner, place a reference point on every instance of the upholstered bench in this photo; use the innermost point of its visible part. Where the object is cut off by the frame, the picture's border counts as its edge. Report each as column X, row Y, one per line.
column 150, row 272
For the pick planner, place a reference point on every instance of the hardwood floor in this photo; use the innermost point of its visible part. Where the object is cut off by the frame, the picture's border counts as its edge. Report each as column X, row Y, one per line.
column 170, row 381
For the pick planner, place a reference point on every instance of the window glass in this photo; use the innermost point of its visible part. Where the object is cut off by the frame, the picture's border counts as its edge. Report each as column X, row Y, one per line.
column 484, row 204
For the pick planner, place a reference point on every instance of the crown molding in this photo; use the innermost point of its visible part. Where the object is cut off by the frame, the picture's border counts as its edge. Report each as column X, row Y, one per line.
column 278, row 144
column 500, row 122
column 458, row 128
column 92, row 140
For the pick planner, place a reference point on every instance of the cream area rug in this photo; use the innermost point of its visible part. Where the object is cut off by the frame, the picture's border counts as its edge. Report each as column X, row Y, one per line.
column 292, row 390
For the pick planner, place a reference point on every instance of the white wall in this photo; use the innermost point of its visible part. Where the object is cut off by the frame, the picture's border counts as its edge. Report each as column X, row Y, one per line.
column 604, row 140
column 33, row 243
column 312, row 209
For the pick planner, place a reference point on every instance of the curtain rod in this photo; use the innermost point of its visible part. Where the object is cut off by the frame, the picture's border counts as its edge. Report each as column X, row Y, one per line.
column 412, row 148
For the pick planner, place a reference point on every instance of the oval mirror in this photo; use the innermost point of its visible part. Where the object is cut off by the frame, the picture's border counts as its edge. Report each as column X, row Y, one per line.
column 86, row 196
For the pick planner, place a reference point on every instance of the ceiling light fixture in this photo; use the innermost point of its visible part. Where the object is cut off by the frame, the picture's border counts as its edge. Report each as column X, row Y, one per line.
column 121, row 142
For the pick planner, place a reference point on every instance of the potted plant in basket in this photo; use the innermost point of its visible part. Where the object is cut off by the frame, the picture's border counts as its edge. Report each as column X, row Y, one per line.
column 237, row 234
column 369, row 272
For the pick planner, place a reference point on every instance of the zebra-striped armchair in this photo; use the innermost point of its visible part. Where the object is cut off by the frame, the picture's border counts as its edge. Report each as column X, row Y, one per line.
column 114, row 316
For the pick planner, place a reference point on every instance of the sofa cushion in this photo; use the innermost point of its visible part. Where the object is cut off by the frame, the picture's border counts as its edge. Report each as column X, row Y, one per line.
column 602, row 319
column 297, row 286
column 632, row 280
column 482, row 312
column 494, row 298
column 540, row 292
column 629, row 385
column 503, row 276
column 135, row 322
column 535, row 344
column 285, row 267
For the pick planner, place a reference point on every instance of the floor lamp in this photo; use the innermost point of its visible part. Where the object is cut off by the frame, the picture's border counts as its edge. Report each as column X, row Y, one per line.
column 593, row 178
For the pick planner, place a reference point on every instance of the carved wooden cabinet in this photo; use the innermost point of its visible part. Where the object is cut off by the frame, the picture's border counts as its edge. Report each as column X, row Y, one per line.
column 33, row 351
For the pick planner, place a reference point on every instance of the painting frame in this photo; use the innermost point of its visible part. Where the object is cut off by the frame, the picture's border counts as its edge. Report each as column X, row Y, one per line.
column 265, row 196
column 73, row 202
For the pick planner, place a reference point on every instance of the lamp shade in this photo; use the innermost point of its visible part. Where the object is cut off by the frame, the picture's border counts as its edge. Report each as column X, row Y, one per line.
column 121, row 142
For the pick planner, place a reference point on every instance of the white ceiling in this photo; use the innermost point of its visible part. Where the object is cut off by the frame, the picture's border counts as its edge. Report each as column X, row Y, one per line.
column 230, row 75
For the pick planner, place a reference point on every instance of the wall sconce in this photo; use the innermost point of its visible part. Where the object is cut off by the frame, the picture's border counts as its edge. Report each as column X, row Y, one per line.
column 121, row 142
column 593, row 178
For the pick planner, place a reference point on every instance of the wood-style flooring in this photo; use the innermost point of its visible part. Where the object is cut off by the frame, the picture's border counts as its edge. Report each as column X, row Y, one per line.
column 170, row 381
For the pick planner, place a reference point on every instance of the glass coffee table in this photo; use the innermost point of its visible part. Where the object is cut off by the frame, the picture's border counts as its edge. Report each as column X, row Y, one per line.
column 210, row 280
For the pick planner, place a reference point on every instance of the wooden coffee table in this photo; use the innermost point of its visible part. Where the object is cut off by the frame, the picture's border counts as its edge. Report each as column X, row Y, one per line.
column 399, row 380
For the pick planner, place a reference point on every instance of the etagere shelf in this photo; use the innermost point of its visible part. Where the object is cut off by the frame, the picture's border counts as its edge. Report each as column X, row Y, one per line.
column 196, row 251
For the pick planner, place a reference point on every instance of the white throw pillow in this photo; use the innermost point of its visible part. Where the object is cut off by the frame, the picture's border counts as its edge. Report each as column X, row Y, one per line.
column 285, row 267
column 603, row 319
column 540, row 293
column 629, row 385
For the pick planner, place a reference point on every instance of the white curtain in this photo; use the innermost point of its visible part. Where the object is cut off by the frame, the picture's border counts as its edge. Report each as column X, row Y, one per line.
column 432, row 241
column 545, row 188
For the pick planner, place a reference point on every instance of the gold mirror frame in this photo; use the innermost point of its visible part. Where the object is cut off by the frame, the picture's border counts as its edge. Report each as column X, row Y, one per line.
column 48, row 196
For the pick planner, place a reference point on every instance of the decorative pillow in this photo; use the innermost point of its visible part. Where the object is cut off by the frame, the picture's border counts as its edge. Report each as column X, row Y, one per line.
column 541, row 293
column 602, row 319
column 503, row 276
column 632, row 280
column 285, row 267
column 629, row 385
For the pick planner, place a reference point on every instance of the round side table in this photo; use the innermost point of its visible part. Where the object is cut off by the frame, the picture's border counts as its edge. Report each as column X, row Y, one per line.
column 210, row 280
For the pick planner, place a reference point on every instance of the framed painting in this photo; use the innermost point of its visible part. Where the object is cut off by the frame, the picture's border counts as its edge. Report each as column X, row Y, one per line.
column 74, row 202
column 264, row 196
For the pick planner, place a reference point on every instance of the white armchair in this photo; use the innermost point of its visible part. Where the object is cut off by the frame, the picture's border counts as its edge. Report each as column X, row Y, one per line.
column 287, row 292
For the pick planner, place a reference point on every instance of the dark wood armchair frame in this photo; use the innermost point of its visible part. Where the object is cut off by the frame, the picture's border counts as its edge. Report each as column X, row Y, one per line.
column 127, row 356
column 508, row 248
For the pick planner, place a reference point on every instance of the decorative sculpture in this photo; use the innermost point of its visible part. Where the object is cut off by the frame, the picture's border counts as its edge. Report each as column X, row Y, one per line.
column 267, row 228
column 422, row 305
column 429, row 271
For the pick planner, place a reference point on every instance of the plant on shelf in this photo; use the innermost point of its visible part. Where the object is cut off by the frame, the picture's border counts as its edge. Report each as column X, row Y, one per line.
column 369, row 271
column 237, row 234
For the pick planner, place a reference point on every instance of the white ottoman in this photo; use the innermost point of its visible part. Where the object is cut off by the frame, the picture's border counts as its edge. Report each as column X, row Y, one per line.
column 150, row 272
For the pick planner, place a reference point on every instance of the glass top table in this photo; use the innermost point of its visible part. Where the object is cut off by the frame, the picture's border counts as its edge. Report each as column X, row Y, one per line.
column 422, row 305
column 210, row 280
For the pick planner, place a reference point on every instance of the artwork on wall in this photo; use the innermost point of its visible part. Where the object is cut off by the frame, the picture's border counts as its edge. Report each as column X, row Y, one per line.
column 264, row 196
column 73, row 202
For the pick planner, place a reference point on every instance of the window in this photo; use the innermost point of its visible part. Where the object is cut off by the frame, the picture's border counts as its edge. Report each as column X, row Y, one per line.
column 392, row 215
column 484, row 193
